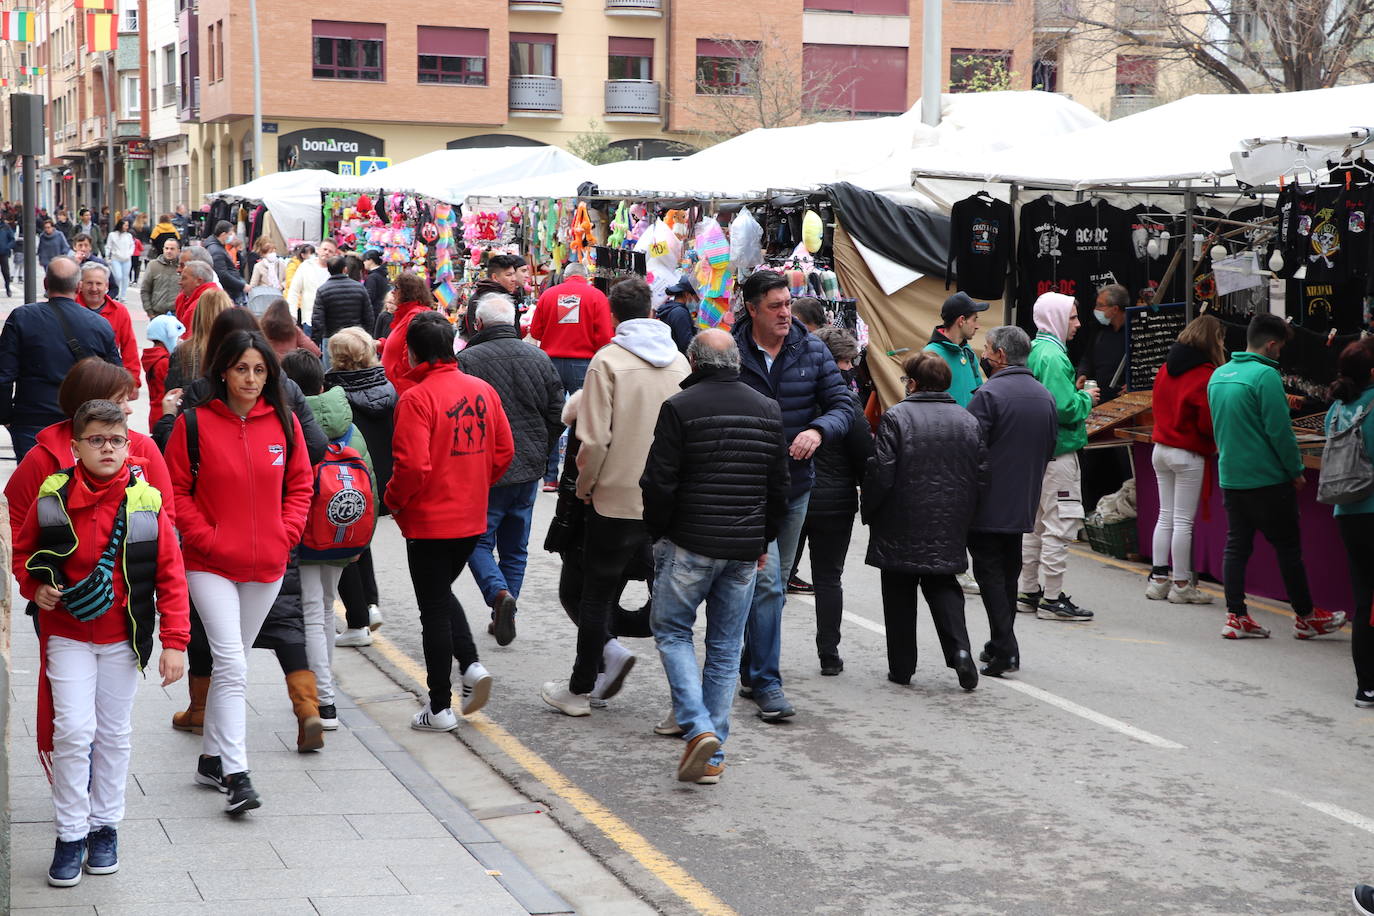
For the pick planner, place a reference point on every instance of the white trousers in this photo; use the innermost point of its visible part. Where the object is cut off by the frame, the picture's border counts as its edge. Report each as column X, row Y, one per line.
column 1058, row 520
column 93, row 691
column 1179, row 474
column 232, row 613
column 319, row 585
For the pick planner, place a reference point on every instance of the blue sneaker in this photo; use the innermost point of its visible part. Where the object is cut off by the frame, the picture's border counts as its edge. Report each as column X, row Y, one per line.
column 773, row 705
column 102, row 855
column 67, row 857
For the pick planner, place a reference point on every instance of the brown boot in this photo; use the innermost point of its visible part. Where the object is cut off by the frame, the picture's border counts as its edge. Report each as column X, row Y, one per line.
column 193, row 719
column 305, row 703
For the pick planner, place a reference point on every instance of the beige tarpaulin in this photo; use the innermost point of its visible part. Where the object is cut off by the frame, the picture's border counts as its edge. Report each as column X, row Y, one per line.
column 903, row 320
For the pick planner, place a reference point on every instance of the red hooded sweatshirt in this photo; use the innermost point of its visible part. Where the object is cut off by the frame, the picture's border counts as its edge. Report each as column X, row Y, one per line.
column 118, row 316
column 252, row 495
column 156, row 361
column 395, row 360
column 1183, row 417
column 53, row 452
column 572, row 320
column 185, row 306
column 452, row 442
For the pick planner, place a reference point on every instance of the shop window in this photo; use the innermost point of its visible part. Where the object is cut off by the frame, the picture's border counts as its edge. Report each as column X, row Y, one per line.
column 454, row 56
column 971, row 70
column 725, row 67
column 630, row 59
column 859, row 7
column 857, row 79
column 533, row 54
column 1135, row 76
column 348, row 50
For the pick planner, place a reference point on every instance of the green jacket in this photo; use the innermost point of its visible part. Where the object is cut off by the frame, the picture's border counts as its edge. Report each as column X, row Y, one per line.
column 965, row 376
column 1049, row 363
column 1252, row 425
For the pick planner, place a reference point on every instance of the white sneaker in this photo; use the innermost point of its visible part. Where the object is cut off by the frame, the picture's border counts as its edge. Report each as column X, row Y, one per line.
column 1188, row 594
column 1158, row 589
column 427, row 721
column 339, row 625
column 968, row 584
column 358, row 638
column 564, row 700
column 668, row 726
column 617, row 661
column 374, row 617
column 595, row 698
column 476, row 688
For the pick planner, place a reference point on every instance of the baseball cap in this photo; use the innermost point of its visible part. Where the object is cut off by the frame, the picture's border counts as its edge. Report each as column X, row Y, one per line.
column 683, row 285
column 960, row 305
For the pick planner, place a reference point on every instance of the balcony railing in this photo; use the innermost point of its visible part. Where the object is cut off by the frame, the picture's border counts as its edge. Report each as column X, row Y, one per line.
column 536, row 6
column 634, row 7
column 536, row 94
column 1055, row 15
column 1126, row 105
column 631, row 97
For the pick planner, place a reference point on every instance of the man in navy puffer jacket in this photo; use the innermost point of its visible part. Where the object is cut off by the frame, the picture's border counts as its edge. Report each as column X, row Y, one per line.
column 779, row 359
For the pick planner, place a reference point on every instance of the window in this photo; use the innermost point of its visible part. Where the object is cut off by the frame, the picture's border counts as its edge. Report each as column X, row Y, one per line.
column 130, row 96
column 533, row 54
column 631, row 59
column 859, row 7
column 169, row 74
column 725, row 67
column 152, row 80
column 1045, row 71
column 348, row 50
column 210, row 45
column 218, row 50
column 969, row 68
column 128, row 16
column 185, row 72
column 1135, row 76
column 855, row 78
column 456, row 56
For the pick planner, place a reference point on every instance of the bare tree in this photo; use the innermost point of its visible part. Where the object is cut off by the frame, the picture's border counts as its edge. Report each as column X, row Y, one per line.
column 1244, row 45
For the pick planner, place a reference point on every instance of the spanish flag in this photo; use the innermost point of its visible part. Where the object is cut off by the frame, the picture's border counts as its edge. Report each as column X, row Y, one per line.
column 95, row 5
column 100, row 32
column 17, row 26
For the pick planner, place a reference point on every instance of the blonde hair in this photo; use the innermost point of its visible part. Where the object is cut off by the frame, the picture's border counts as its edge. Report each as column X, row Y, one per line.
column 263, row 245
column 352, row 348
column 1207, row 334
column 208, row 307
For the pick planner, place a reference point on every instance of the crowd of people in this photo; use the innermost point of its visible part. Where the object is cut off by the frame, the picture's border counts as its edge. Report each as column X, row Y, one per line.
column 296, row 401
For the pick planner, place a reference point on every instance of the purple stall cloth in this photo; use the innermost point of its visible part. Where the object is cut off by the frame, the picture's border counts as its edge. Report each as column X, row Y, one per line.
column 1322, row 551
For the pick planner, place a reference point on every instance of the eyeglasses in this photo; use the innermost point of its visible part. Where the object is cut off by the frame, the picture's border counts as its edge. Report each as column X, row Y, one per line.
column 102, row 441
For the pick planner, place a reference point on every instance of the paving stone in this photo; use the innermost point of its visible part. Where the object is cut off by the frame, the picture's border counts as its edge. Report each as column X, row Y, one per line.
column 397, row 826
column 131, row 886
column 318, row 830
column 485, row 891
column 282, row 906
column 318, row 880
column 414, row 905
column 444, row 852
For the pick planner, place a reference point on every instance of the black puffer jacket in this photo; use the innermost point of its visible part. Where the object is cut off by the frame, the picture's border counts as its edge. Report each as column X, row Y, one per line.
column 229, row 276
column 921, row 489
column 198, row 392
column 530, row 392
column 715, row 481
column 373, row 399
column 840, row 468
column 340, row 303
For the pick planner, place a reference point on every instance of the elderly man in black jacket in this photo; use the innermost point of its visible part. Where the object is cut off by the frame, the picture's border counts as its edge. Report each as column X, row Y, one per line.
column 919, row 497
column 229, row 275
column 715, row 493
column 340, row 302
column 532, row 396
column 1020, row 422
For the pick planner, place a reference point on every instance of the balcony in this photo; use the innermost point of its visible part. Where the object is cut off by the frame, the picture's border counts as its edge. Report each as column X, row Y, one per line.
column 1127, row 105
column 536, row 6
column 1055, row 15
column 650, row 8
column 536, row 96
column 1141, row 16
column 632, row 100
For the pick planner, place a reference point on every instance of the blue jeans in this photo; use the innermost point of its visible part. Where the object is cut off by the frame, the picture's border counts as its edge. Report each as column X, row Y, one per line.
column 510, row 513
column 119, row 277
column 573, row 372
column 760, row 666
column 24, row 439
column 682, row 580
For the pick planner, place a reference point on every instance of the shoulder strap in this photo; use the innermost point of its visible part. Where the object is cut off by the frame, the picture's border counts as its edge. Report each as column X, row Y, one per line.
column 192, row 445
column 78, row 352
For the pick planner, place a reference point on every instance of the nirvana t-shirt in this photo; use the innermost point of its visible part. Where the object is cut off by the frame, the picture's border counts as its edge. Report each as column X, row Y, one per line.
column 980, row 244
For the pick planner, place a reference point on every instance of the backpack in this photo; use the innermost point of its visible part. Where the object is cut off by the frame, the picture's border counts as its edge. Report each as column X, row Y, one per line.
column 343, row 512
column 1347, row 476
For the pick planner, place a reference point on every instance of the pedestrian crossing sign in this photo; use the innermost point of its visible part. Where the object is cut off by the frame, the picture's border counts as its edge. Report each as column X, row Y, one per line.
column 369, row 164
column 345, row 167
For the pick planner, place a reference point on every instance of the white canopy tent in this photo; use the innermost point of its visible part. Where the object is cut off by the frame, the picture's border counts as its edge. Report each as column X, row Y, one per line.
column 449, row 174
column 292, row 198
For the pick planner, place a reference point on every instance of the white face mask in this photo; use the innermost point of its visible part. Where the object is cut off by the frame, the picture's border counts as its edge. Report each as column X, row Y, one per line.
column 1101, row 317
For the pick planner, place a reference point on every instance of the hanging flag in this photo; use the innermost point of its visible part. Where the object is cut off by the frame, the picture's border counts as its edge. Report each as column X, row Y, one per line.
column 95, row 4
column 100, row 32
column 17, row 26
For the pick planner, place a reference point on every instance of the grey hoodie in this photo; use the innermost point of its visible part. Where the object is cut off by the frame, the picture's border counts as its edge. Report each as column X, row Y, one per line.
column 649, row 339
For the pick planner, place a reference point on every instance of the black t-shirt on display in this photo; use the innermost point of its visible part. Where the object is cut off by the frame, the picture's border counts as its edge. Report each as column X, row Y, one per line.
column 1104, row 252
column 980, row 244
column 1044, row 256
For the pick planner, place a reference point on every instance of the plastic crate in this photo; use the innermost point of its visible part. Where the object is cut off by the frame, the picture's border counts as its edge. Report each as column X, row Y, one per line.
column 1113, row 539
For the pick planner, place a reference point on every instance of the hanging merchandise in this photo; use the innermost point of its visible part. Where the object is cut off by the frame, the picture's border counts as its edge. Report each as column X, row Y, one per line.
column 746, row 242
column 1044, row 255
column 980, row 243
column 661, row 249
column 713, row 276
column 1103, row 251
column 619, row 226
column 581, row 235
column 813, row 229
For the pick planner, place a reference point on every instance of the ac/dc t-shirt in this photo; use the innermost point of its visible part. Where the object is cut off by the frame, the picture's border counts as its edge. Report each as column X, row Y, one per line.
column 1104, row 252
column 980, row 245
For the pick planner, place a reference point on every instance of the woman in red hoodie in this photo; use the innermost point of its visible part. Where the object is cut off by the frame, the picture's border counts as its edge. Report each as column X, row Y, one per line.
column 242, row 495
column 1183, row 443
column 413, row 295
column 452, row 442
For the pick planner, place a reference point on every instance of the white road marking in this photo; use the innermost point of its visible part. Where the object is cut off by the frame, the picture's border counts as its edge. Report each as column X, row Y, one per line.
column 1352, row 818
column 1116, row 725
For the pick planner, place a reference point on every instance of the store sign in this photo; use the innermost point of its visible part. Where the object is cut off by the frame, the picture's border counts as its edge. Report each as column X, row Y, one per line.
column 138, row 149
column 366, row 165
column 269, row 127
column 330, row 145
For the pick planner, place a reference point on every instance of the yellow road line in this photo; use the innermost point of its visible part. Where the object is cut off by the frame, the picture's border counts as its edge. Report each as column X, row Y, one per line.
column 1144, row 570
column 674, row 876
column 1143, row 642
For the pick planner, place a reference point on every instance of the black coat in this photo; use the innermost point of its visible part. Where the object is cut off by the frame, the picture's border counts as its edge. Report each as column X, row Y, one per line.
column 715, row 481
column 285, row 623
column 921, row 489
column 530, row 392
column 340, row 303
column 229, row 276
column 1019, row 423
column 840, row 468
column 34, row 357
column 377, row 285
column 373, row 399
column 198, row 392
column 679, row 320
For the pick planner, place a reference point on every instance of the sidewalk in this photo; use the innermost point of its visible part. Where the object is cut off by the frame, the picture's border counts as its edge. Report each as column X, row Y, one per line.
column 359, row 827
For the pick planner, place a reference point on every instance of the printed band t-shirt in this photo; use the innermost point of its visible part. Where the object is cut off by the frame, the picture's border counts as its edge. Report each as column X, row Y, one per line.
column 980, row 245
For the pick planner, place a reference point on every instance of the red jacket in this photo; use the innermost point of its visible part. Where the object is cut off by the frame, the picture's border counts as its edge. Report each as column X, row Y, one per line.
column 156, row 360
column 185, row 306
column 1182, row 416
column 395, row 359
column 452, row 442
column 252, row 495
column 118, row 316
column 53, row 452
column 92, row 505
column 572, row 320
